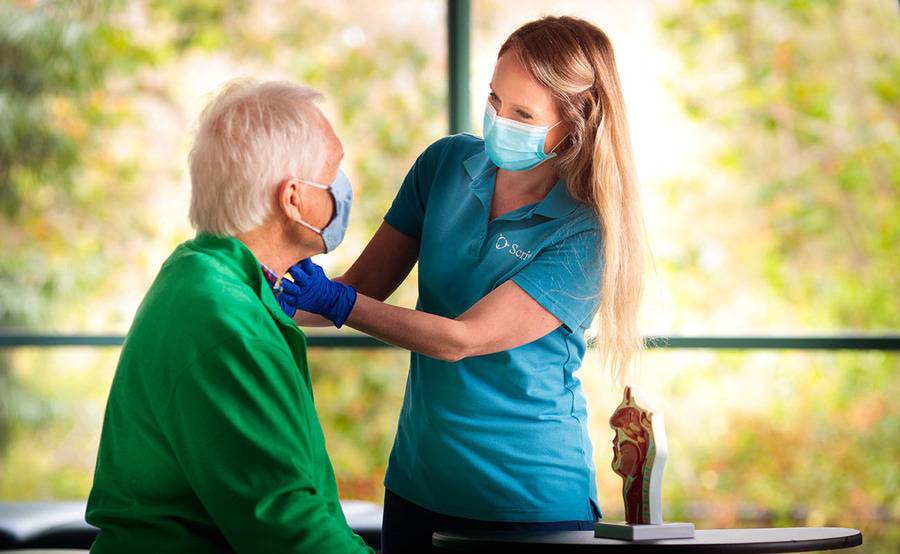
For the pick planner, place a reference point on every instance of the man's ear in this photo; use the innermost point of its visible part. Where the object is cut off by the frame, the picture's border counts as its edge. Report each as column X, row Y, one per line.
column 289, row 199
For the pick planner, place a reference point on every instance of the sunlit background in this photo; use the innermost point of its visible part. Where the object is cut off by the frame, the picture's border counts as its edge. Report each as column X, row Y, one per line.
column 767, row 138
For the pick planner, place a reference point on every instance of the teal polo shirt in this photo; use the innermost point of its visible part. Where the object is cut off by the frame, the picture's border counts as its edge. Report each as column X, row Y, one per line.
column 499, row 437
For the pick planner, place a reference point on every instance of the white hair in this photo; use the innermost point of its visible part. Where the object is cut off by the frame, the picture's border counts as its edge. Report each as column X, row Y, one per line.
column 249, row 139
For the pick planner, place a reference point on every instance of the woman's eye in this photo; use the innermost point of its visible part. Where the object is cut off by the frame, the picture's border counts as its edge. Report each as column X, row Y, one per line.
column 524, row 115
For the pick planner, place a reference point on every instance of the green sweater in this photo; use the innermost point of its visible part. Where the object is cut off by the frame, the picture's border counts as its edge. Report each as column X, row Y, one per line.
column 210, row 440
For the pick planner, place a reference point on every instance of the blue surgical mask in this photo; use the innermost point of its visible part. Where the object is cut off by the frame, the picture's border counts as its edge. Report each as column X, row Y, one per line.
column 342, row 193
column 513, row 145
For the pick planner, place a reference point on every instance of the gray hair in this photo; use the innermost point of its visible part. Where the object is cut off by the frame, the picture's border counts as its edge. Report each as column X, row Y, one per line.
column 250, row 138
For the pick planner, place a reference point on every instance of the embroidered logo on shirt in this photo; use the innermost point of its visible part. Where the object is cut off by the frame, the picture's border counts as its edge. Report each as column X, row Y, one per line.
column 503, row 243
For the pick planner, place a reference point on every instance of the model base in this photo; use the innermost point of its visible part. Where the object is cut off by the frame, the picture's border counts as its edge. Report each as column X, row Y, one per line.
column 637, row 532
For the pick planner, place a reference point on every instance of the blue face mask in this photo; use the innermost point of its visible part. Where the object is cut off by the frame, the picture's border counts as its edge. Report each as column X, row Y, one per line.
column 342, row 193
column 512, row 145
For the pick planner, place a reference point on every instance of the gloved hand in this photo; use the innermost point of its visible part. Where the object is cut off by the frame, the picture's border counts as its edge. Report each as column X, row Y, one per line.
column 312, row 291
column 285, row 299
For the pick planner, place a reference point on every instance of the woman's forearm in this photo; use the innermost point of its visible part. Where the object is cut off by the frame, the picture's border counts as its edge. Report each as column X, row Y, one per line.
column 307, row 319
column 429, row 334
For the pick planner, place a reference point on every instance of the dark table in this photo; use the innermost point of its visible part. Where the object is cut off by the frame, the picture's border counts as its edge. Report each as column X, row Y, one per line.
column 785, row 539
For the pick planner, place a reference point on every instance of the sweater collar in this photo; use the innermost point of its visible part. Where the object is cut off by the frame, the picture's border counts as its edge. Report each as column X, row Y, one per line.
column 237, row 259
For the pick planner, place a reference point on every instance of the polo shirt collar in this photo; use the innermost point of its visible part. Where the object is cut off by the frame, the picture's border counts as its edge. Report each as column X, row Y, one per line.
column 477, row 164
column 558, row 202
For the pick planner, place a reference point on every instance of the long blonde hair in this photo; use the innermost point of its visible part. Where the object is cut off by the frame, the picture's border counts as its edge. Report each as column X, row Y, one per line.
column 574, row 60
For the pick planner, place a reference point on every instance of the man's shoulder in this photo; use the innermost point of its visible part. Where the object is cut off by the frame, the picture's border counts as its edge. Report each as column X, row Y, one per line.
column 200, row 278
column 198, row 299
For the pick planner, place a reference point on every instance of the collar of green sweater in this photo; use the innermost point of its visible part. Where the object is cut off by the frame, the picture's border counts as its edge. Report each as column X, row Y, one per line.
column 234, row 255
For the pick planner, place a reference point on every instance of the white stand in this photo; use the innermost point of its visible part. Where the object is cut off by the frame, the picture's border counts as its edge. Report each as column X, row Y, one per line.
column 658, row 425
column 629, row 532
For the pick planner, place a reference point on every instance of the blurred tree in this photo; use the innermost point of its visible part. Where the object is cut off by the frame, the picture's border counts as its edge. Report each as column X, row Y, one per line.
column 54, row 63
column 55, row 60
column 806, row 95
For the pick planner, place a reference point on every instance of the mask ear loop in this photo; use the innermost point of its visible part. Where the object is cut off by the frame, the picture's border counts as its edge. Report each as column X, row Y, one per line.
column 563, row 139
column 318, row 186
column 310, row 227
column 314, row 184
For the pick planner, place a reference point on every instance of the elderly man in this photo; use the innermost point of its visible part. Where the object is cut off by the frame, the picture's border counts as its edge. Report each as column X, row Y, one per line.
column 210, row 440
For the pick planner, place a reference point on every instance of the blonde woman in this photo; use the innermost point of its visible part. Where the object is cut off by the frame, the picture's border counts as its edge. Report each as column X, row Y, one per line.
column 521, row 238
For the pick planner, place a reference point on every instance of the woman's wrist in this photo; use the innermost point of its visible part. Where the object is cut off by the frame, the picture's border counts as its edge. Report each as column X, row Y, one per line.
column 344, row 299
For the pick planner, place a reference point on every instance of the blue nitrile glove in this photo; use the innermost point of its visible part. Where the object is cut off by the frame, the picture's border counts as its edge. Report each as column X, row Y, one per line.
column 312, row 291
column 284, row 298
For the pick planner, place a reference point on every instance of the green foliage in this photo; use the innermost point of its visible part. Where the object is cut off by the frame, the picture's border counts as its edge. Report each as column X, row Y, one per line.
column 805, row 94
column 54, row 63
column 358, row 396
column 205, row 24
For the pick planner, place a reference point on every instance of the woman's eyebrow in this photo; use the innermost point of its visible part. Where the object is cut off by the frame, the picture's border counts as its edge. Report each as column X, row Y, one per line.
column 520, row 106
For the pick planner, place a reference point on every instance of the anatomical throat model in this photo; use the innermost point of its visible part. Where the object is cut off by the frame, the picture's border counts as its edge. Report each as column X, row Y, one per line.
column 639, row 457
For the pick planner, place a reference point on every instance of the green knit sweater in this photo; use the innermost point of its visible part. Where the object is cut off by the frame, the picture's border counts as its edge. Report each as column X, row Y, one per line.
column 210, row 439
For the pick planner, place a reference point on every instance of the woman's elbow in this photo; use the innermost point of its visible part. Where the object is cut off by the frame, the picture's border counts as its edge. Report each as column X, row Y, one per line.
column 448, row 355
column 457, row 345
